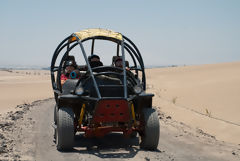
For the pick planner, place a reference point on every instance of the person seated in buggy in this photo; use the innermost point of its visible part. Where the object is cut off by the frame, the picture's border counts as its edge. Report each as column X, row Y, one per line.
column 94, row 61
column 117, row 62
column 70, row 71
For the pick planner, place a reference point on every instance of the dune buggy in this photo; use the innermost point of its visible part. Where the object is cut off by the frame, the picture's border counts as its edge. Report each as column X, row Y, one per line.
column 105, row 98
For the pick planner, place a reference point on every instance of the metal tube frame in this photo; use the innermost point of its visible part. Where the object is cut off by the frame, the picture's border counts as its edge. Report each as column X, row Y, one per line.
column 92, row 49
column 124, row 70
column 134, row 52
column 89, row 67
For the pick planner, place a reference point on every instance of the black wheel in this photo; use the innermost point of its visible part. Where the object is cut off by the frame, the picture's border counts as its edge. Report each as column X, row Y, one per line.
column 65, row 129
column 55, row 121
column 150, row 133
column 55, row 114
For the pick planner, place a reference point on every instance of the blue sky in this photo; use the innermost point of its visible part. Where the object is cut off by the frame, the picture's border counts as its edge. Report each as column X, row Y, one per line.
column 166, row 32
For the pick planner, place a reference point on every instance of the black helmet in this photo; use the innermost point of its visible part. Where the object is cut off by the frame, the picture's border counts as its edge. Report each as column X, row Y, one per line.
column 93, row 56
column 94, row 64
column 70, row 61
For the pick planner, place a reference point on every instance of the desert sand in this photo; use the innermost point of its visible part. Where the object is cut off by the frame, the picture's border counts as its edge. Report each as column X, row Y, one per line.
column 197, row 107
column 206, row 97
column 23, row 86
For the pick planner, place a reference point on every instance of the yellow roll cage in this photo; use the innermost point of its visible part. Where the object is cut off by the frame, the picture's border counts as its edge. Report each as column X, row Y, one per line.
column 89, row 33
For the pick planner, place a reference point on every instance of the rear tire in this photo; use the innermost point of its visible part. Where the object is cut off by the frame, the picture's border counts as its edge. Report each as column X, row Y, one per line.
column 55, row 121
column 150, row 133
column 55, row 114
column 65, row 129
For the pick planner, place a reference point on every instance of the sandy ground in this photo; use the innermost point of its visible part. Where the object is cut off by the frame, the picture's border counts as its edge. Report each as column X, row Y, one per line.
column 198, row 111
column 205, row 97
column 33, row 140
column 23, row 86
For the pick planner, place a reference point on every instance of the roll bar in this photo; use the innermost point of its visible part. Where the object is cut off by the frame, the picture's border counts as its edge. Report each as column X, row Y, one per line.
column 69, row 43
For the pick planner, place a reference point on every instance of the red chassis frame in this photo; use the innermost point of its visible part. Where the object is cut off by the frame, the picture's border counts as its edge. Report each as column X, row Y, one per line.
column 107, row 116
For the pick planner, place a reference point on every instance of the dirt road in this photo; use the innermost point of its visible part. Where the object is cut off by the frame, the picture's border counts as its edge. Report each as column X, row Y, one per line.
column 28, row 135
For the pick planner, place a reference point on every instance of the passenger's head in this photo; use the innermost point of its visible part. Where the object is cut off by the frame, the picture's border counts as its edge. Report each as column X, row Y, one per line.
column 94, row 57
column 118, row 62
column 94, row 61
column 70, row 66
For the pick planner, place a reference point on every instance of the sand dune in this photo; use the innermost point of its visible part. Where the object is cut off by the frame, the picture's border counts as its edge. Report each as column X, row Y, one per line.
column 203, row 96
column 23, row 86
